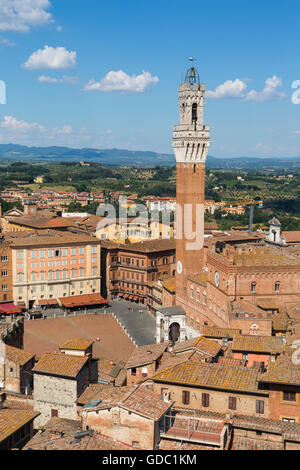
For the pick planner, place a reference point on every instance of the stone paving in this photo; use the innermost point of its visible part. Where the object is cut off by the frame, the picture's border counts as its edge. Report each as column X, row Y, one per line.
column 42, row 336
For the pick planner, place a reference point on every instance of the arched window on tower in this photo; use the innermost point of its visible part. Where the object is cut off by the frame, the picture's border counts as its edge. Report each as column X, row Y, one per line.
column 253, row 287
column 277, row 286
column 194, row 113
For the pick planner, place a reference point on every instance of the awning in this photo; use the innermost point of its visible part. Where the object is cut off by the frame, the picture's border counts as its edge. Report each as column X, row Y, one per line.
column 126, row 296
column 120, row 294
column 135, row 298
column 87, row 300
column 9, row 309
column 130, row 297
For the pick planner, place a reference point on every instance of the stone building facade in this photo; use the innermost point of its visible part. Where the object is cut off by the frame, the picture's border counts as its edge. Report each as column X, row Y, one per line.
column 59, row 379
column 129, row 271
column 52, row 264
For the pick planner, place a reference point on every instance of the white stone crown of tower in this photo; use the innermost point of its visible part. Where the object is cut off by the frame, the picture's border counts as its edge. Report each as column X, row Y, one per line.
column 191, row 139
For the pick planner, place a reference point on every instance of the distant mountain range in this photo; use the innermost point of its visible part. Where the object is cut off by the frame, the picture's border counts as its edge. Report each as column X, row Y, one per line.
column 13, row 152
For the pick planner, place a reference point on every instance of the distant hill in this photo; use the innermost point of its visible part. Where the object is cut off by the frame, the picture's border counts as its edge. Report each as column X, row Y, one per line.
column 118, row 157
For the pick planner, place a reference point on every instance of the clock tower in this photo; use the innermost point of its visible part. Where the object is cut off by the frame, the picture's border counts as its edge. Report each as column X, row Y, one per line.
column 191, row 140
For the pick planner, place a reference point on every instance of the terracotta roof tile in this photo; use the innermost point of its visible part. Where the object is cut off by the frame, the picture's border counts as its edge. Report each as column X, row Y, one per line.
column 143, row 355
column 60, row 364
column 263, row 344
column 282, row 371
column 201, row 344
column 214, row 332
column 211, row 375
column 19, row 356
column 11, row 420
column 77, row 344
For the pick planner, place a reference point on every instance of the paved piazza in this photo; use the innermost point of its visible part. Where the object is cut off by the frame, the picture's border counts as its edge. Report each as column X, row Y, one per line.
column 47, row 335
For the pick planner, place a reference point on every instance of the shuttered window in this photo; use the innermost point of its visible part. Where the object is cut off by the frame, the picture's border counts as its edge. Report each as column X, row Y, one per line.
column 260, row 406
column 205, row 399
column 232, row 403
column 185, row 397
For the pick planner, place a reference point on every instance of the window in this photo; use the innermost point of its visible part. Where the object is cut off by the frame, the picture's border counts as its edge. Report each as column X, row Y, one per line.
column 73, row 273
column 288, row 420
column 42, row 254
column 81, row 260
column 205, row 400
column 81, row 272
column 20, row 255
column 33, row 265
column 50, row 276
column 65, row 274
column 73, row 261
column 20, row 277
column 185, row 397
column 144, row 372
column 65, row 262
column 4, row 259
column 133, row 371
column 42, row 264
column 64, row 252
column 57, row 263
column 94, row 250
column 232, row 403
column 33, row 276
column 4, row 273
column 57, row 275
column 50, row 264
column 4, row 287
column 33, row 254
column 94, row 271
column 73, row 252
column 289, row 396
column 277, row 286
column 253, row 287
column 245, row 356
column 54, row 413
column 260, row 406
column 50, row 253
column 94, row 260
column 81, row 251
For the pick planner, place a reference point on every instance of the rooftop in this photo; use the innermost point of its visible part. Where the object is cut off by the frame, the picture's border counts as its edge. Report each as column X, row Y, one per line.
column 241, row 379
column 282, row 371
column 60, row 364
column 18, row 356
column 77, row 344
column 11, row 420
column 263, row 344
column 146, row 354
column 201, row 344
column 47, row 237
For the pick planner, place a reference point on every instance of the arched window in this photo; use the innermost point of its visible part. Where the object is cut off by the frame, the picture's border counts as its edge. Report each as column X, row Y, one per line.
column 253, row 287
column 194, row 113
column 277, row 286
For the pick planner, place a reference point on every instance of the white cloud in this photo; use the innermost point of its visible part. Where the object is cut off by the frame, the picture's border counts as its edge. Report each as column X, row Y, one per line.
column 51, row 58
column 237, row 89
column 21, row 15
column 65, row 130
column 269, row 92
column 262, row 147
column 64, row 79
column 12, row 124
column 121, row 82
column 229, row 89
column 296, row 132
column 7, row 42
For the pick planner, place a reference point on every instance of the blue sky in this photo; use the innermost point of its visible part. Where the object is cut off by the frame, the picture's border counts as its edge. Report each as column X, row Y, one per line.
column 106, row 74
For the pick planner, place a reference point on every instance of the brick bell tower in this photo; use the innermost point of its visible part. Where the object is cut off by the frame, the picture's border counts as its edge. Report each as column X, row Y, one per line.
column 191, row 140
